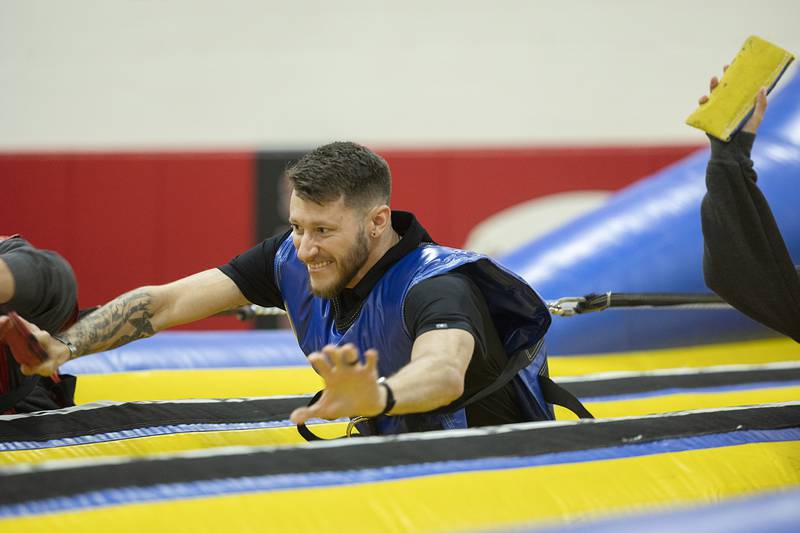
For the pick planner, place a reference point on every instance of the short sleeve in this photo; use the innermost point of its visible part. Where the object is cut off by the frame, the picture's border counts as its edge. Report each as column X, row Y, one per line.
column 253, row 272
column 444, row 302
column 45, row 288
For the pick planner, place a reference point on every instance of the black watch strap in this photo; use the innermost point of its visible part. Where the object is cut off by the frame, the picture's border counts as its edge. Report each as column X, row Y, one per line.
column 389, row 397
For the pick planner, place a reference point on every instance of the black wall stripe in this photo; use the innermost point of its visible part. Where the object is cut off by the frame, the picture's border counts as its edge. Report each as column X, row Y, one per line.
column 271, row 206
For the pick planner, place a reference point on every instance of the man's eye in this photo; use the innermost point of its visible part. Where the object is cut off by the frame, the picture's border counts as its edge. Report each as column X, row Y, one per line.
column 296, row 229
column 322, row 231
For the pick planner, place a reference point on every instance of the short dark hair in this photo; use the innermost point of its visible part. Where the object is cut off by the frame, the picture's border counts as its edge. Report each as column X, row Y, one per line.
column 342, row 169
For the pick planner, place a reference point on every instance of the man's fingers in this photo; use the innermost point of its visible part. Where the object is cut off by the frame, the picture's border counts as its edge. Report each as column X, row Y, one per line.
column 703, row 99
column 713, row 83
column 349, row 354
column 761, row 101
column 318, row 410
column 320, row 364
column 371, row 360
column 334, row 355
column 758, row 112
column 5, row 325
column 44, row 370
column 300, row 415
column 725, row 68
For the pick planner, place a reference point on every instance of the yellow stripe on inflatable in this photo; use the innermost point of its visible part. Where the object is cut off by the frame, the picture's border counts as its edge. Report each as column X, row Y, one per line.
column 177, row 442
column 740, row 353
column 249, row 382
column 205, row 383
column 469, row 500
column 670, row 403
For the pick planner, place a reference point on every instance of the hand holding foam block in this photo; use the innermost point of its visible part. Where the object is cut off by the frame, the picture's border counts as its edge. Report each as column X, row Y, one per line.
column 758, row 64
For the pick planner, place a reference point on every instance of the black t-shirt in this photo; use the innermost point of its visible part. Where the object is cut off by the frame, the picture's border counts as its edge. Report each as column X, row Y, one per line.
column 45, row 293
column 451, row 299
column 45, row 290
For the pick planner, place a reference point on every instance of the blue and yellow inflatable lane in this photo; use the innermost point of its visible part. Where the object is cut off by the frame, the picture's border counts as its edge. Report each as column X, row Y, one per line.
column 112, row 429
column 523, row 475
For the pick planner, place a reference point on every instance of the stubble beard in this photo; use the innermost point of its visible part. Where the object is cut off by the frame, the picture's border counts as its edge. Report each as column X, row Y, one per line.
column 348, row 267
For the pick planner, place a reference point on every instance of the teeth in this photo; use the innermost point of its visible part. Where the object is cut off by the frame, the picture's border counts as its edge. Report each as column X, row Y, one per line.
column 317, row 266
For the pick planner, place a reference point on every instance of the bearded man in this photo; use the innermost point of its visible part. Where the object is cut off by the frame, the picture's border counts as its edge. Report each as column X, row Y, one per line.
column 409, row 334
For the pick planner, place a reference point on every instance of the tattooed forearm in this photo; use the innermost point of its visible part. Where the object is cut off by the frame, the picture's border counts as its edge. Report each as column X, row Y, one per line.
column 118, row 322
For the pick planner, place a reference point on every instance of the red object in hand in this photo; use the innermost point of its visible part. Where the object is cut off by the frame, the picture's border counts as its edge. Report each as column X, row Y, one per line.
column 24, row 346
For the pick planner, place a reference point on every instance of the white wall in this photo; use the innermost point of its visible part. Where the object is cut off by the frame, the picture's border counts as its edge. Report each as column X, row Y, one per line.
column 267, row 74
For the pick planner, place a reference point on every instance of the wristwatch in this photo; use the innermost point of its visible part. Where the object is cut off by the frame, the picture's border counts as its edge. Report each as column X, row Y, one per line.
column 389, row 397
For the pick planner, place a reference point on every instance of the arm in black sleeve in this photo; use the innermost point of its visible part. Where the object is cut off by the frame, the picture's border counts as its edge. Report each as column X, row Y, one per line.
column 253, row 272
column 45, row 290
column 443, row 302
column 745, row 259
column 453, row 301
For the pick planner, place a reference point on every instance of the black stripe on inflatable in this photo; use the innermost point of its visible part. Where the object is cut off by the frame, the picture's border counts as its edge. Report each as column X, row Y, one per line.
column 271, row 205
column 141, row 415
column 385, row 452
column 637, row 384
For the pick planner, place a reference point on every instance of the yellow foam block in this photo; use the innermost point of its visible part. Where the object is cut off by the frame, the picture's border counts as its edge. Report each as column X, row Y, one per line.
column 758, row 64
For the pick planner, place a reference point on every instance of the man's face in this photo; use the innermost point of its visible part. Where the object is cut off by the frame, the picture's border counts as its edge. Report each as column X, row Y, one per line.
column 331, row 240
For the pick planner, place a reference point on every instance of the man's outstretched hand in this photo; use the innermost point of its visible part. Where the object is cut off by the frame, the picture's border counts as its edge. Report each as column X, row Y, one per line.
column 351, row 387
column 57, row 352
column 751, row 126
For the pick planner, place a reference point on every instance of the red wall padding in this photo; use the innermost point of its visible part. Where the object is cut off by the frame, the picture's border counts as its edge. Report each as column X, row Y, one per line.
column 126, row 220
column 453, row 190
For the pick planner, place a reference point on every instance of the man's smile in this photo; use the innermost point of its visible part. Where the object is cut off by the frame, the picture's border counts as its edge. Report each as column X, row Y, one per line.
column 317, row 266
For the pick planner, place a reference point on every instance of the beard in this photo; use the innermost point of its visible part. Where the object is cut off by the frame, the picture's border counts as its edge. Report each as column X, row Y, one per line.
column 347, row 268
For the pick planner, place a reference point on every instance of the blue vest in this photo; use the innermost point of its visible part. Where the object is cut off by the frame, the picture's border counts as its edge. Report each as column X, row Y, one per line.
column 519, row 314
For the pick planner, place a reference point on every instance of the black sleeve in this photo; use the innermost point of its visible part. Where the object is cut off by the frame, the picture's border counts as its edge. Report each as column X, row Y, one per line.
column 745, row 259
column 45, row 290
column 444, row 302
column 253, row 272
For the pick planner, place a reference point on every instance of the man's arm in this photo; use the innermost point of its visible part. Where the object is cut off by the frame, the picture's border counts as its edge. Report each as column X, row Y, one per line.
column 433, row 378
column 141, row 313
column 745, row 259
column 6, row 283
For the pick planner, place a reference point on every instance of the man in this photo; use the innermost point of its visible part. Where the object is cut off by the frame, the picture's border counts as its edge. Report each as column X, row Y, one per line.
column 745, row 259
column 455, row 338
column 40, row 286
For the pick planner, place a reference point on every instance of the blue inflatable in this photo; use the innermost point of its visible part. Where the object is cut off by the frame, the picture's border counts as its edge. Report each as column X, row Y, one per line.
column 647, row 238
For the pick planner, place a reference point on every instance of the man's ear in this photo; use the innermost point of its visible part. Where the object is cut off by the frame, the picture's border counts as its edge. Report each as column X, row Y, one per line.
column 380, row 219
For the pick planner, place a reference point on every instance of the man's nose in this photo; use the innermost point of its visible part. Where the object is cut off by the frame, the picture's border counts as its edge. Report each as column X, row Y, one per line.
column 306, row 247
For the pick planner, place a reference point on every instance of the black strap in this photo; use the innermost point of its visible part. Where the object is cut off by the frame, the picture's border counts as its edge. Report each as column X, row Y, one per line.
column 552, row 392
column 599, row 302
column 555, row 393
column 519, row 360
column 303, row 430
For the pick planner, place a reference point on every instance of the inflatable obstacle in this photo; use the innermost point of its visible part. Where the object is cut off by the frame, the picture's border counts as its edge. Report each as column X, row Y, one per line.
column 647, row 238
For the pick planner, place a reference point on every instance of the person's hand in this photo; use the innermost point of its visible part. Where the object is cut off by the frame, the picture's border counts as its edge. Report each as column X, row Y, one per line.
column 752, row 124
column 57, row 352
column 351, row 387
